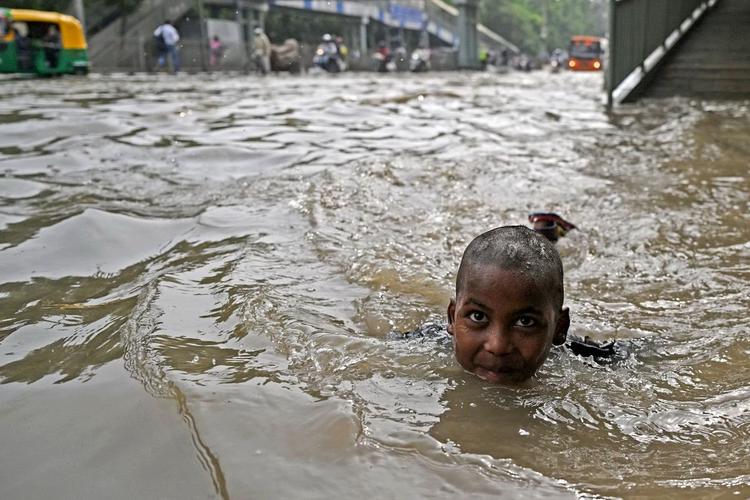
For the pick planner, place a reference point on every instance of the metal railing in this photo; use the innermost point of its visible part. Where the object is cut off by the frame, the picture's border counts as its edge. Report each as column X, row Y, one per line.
column 446, row 15
column 138, row 54
column 118, row 40
column 639, row 28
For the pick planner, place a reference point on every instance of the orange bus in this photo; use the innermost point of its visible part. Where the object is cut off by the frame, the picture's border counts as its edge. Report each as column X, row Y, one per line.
column 585, row 53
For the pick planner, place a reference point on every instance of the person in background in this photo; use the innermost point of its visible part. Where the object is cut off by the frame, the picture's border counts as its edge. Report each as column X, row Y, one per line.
column 504, row 57
column 167, row 37
column 24, row 57
column 484, row 57
column 262, row 51
column 51, row 43
column 217, row 51
column 342, row 49
column 383, row 56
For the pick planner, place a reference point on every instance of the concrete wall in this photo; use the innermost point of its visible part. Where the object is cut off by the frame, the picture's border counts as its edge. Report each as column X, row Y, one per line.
column 713, row 61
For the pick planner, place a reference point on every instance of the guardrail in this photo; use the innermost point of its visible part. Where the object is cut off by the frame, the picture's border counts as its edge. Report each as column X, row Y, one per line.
column 116, row 44
column 446, row 15
column 641, row 33
column 138, row 54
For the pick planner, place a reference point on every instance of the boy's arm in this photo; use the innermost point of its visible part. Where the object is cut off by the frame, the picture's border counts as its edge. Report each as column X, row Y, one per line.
column 587, row 347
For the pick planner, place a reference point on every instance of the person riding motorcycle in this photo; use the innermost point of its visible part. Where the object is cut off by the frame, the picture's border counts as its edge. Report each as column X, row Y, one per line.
column 327, row 55
column 420, row 60
column 383, row 57
column 556, row 60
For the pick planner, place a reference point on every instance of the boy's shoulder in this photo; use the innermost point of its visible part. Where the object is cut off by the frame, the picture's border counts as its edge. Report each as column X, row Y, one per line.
column 603, row 353
column 433, row 330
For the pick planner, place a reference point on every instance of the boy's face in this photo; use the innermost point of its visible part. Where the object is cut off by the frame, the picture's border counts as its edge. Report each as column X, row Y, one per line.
column 503, row 324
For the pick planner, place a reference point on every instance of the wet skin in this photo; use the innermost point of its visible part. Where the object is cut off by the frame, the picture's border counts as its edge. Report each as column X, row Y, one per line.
column 503, row 324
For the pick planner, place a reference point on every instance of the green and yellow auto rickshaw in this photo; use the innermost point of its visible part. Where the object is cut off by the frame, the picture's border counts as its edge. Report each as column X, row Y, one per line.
column 42, row 43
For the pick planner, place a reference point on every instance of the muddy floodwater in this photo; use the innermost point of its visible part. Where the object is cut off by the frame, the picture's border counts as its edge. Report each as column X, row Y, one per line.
column 199, row 277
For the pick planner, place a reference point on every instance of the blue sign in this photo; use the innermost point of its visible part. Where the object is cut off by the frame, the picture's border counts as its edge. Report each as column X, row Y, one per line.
column 405, row 14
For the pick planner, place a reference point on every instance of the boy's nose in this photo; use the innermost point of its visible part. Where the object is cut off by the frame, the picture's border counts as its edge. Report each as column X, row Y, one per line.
column 498, row 342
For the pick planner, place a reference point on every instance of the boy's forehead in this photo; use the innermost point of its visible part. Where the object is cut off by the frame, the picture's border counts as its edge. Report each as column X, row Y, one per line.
column 484, row 277
column 537, row 273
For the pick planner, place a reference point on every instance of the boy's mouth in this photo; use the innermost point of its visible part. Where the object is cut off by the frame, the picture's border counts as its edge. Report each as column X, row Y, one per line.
column 498, row 374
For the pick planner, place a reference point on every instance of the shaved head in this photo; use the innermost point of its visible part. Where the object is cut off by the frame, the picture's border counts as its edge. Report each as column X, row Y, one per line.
column 519, row 249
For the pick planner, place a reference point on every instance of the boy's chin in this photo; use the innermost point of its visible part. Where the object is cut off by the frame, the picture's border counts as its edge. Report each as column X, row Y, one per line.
column 501, row 377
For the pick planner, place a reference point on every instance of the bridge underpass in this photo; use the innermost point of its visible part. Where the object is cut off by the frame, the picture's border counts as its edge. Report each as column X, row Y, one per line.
column 666, row 48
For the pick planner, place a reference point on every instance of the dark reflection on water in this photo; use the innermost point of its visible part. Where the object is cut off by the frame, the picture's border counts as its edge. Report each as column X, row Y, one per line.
column 240, row 249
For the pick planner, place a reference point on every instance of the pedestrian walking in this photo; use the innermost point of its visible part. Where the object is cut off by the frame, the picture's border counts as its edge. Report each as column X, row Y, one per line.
column 217, row 51
column 166, row 37
column 262, row 51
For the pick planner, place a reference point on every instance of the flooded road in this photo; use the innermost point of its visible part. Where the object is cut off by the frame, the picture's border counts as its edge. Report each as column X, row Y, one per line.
column 199, row 275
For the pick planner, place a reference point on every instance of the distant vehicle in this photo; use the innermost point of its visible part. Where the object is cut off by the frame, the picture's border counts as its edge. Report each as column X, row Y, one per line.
column 327, row 56
column 419, row 61
column 42, row 43
column 557, row 60
column 585, row 53
column 523, row 63
column 399, row 55
column 383, row 59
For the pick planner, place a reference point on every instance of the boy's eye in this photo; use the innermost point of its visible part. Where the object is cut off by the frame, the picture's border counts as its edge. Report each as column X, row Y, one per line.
column 526, row 321
column 477, row 317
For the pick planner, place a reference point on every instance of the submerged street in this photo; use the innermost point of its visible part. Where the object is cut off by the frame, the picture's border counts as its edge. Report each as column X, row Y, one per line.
column 199, row 276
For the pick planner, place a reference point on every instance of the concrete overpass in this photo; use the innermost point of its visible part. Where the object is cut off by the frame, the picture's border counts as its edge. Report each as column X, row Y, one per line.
column 661, row 48
column 123, row 44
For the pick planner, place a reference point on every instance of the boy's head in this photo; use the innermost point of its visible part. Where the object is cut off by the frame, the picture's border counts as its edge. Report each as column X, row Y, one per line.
column 508, row 307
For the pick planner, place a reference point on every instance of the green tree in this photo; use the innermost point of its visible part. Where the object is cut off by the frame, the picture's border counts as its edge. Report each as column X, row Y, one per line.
column 56, row 5
column 522, row 21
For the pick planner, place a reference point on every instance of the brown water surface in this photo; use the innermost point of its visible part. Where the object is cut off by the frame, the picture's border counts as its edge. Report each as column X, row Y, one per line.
column 198, row 276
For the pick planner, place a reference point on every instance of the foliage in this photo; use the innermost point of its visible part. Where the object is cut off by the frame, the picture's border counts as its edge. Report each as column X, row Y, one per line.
column 522, row 21
column 66, row 5
column 287, row 23
column 56, row 5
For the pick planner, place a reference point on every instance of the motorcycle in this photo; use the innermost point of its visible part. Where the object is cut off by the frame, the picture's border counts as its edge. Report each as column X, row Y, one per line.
column 523, row 63
column 327, row 58
column 419, row 61
column 554, row 66
column 383, row 62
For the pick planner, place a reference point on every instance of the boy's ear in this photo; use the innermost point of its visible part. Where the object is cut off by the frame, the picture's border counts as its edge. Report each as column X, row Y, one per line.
column 451, row 315
column 561, row 329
